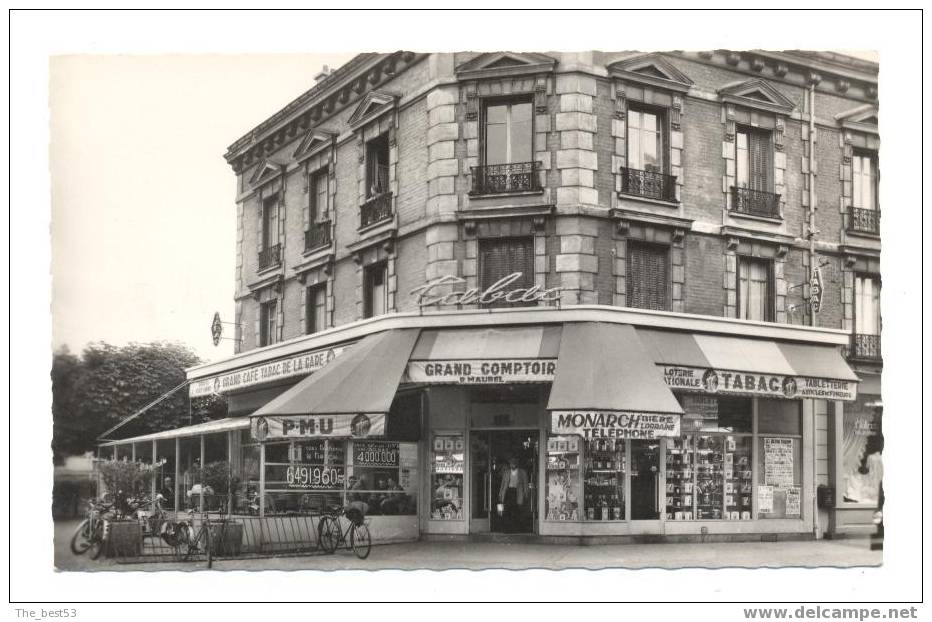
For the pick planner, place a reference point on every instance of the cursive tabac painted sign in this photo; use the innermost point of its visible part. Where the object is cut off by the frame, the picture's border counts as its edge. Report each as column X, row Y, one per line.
column 500, row 291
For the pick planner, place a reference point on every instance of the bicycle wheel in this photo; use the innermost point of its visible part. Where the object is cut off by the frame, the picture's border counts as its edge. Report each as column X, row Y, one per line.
column 328, row 534
column 99, row 538
column 81, row 540
column 360, row 541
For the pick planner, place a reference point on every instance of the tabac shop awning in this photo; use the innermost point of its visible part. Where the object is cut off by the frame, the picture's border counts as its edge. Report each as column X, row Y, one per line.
column 485, row 355
column 350, row 397
column 755, row 367
column 606, row 385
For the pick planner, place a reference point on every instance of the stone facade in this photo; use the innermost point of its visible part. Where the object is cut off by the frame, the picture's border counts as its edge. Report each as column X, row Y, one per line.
column 579, row 212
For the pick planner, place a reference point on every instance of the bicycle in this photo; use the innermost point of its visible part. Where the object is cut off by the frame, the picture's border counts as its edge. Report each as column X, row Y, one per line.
column 91, row 535
column 203, row 542
column 331, row 535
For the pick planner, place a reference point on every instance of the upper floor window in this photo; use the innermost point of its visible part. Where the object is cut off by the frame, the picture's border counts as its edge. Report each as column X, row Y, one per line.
column 320, row 195
column 753, row 192
column 647, row 276
column 866, row 340
column 864, row 180
column 508, row 132
column 375, row 289
column 754, row 159
column 316, row 306
column 270, row 255
column 646, row 140
column 507, row 149
column 867, row 304
column 755, row 289
column 501, row 257
column 270, row 221
column 268, row 323
column 377, row 166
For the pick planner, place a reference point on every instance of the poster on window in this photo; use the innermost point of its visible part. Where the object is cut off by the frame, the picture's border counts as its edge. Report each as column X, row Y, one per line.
column 375, row 454
column 793, row 501
column 862, row 466
column 779, row 462
column 765, row 499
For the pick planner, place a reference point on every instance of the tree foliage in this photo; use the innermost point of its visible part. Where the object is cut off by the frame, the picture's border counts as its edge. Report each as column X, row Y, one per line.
column 109, row 383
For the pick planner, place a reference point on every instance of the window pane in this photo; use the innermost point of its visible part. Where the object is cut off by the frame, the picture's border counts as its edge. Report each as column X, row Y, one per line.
column 521, row 140
column 563, row 474
column 496, row 114
column 446, row 477
column 779, row 417
column 651, row 150
column 741, row 160
column 604, row 497
column 779, row 493
column 867, row 189
column 634, row 144
column 710, row 472
column 496, row 144
column 521, row 113
column 862, row 443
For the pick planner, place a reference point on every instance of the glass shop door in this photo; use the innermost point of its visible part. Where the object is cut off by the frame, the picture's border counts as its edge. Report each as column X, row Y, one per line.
column 646, row 485
column 491, row 452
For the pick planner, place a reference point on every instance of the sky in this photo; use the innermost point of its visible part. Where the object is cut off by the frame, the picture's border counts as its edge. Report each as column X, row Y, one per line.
column 143, row 214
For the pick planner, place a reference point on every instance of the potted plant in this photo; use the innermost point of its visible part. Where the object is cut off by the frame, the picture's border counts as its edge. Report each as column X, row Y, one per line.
column 121, row 479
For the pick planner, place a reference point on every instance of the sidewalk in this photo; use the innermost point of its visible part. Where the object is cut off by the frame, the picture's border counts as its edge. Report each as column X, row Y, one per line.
column 476, row 556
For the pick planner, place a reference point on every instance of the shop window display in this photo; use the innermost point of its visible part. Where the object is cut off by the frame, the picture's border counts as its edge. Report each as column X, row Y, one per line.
column 604, row 497
column 709, row 468
column 862, row 443
column 563, row 464
column 447, row 467
column 680, row 481
column 383, row 475
column 779, row 490
column 304, row 476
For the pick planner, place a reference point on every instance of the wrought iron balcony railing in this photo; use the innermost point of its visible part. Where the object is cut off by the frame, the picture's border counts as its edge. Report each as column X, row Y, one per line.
column 376, row 209
column 317, row 236
column 755, row 202
column 504, row 178
column 865, row 347
column 270, row 256
column 864, row 220
column 648, row 184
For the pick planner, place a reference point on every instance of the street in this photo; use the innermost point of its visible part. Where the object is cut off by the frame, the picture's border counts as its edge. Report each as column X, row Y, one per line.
column 480, row 555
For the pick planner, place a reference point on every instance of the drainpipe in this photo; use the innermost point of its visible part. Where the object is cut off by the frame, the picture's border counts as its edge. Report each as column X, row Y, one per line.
column 813, row 259
column 812, row 192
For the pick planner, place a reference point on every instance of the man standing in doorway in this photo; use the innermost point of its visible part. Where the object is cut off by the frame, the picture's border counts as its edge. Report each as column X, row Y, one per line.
column 513, row 496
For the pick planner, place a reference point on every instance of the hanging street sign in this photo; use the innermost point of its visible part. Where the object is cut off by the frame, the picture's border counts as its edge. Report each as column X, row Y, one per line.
column 216, row 328
column 815, row 289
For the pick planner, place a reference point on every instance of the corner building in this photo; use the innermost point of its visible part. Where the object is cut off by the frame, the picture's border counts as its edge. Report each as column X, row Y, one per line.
column 653, row 279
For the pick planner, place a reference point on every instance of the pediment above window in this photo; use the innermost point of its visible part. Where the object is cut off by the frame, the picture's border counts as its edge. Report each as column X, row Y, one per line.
column 652, row 69
column 266, row 171
column 861, row 119
column 497, row 64
column 313, row 143
column 372, row 106
column 758, row 94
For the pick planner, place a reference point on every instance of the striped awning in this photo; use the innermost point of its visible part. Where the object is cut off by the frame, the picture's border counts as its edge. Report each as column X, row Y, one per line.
column 743, row 366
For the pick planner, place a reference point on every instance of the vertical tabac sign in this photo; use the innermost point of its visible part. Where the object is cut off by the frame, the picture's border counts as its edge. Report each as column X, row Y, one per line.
column 815, row 289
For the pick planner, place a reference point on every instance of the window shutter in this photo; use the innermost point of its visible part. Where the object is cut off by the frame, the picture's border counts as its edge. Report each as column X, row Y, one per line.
column 501, row 257
column 761, row 164
column 646, row 284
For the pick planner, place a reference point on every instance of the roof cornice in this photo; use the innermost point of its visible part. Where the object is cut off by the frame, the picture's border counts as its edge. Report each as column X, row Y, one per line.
column 342, row 88
column 856, row 80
